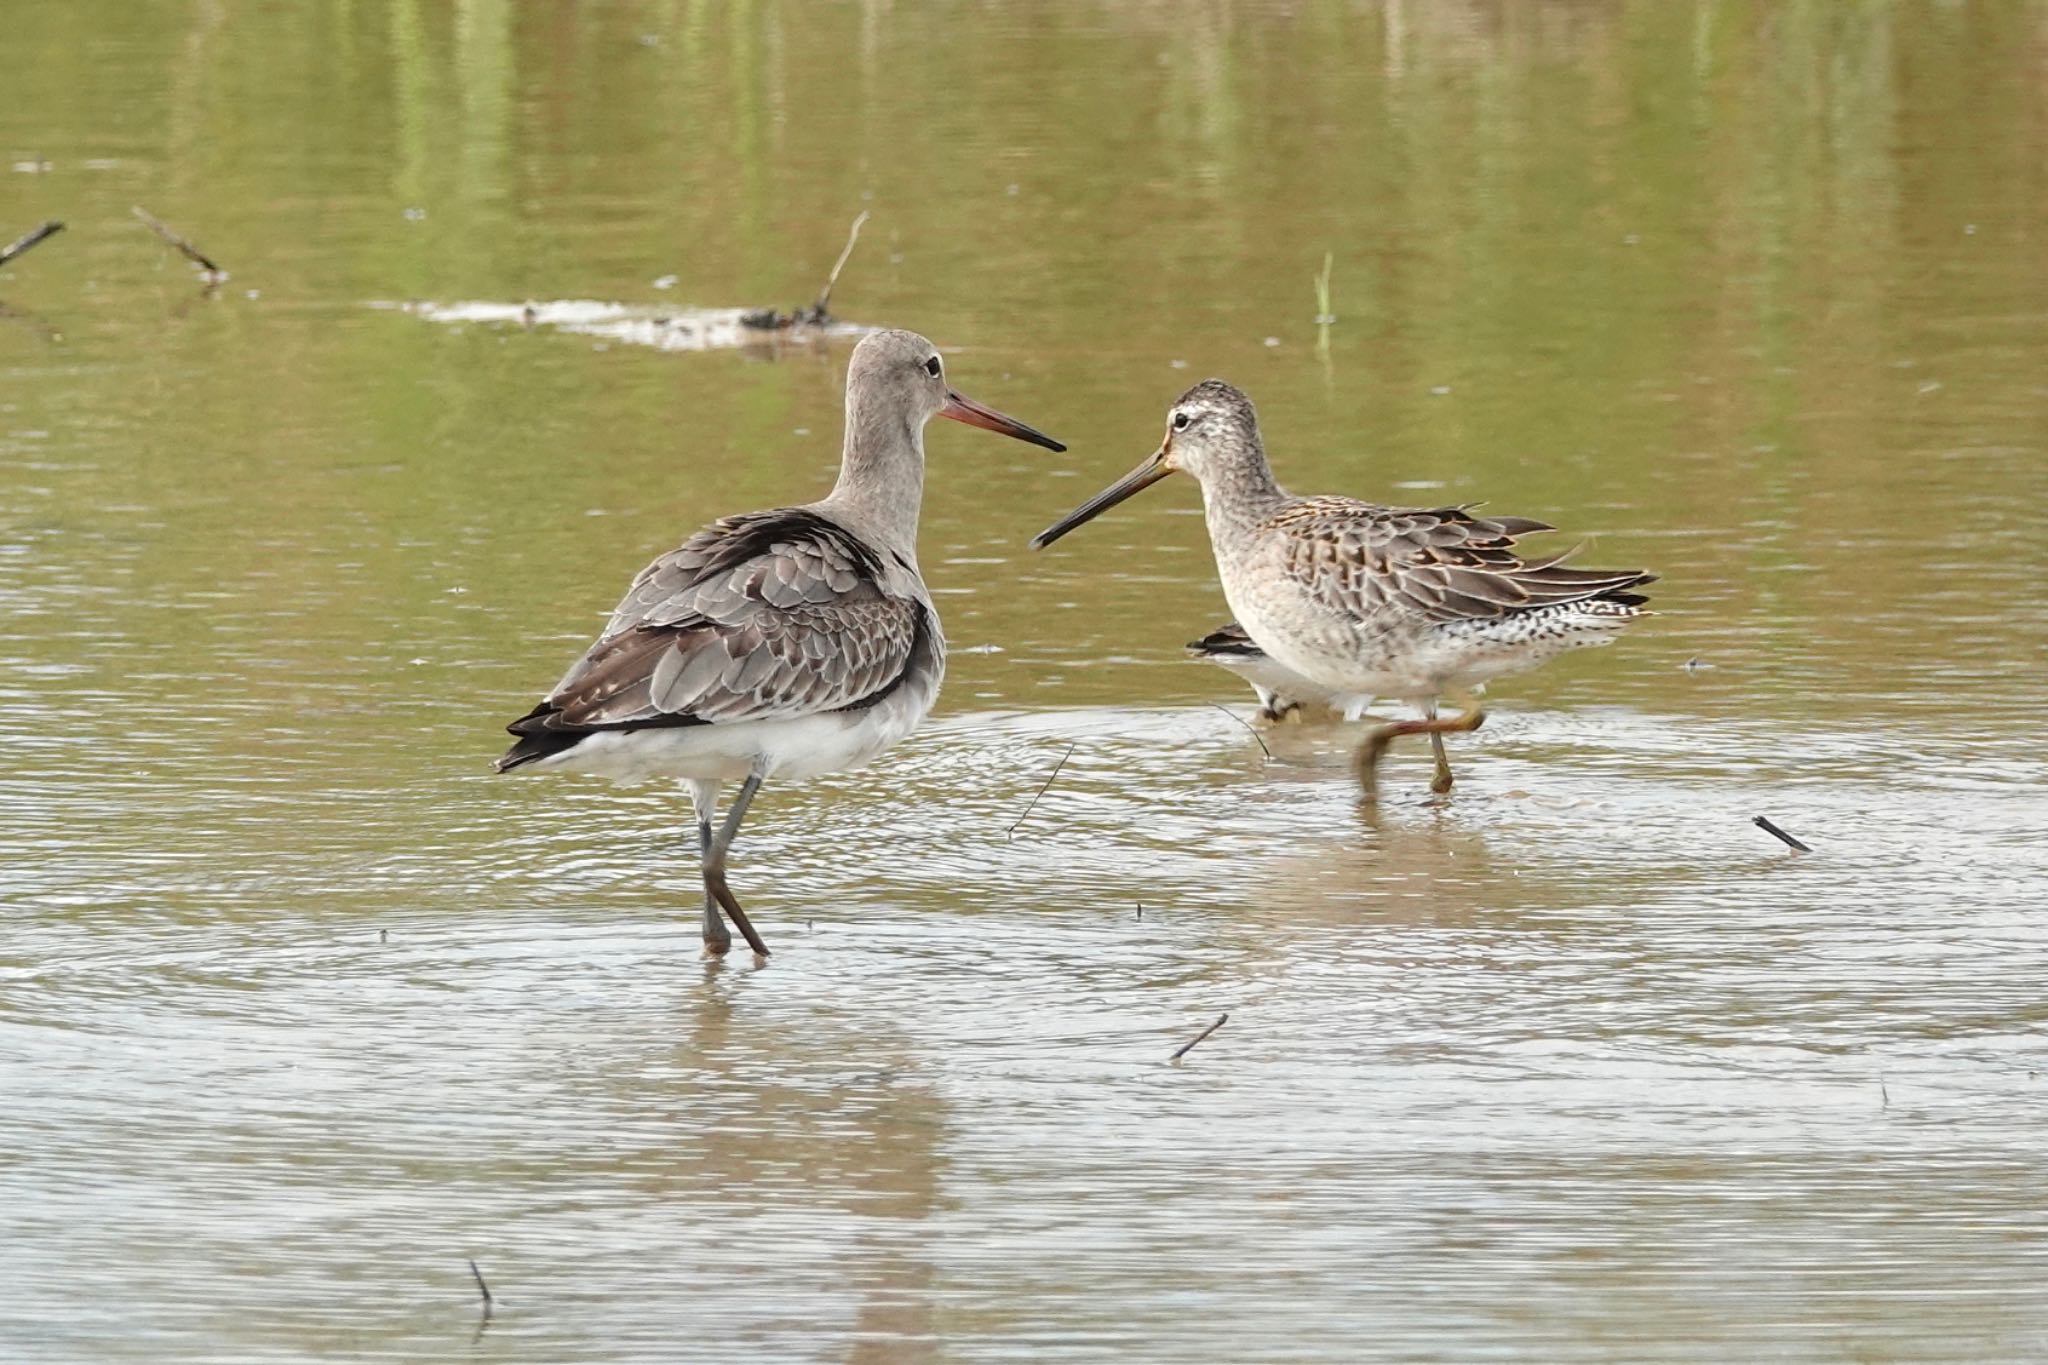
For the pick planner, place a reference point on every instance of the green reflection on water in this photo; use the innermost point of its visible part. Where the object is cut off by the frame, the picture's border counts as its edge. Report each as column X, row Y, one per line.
column 1751, row 294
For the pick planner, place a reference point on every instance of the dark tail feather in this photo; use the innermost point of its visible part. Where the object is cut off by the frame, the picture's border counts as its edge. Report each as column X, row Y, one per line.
column 536, row 739
column 1626, row 598
column 1230, row 639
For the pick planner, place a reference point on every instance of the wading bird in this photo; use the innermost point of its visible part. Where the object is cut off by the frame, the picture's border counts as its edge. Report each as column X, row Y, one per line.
column 786, row 643
column 1404, row 602
column 1282, row 691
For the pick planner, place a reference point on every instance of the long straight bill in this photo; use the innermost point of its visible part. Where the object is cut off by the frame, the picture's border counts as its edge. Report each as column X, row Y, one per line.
column 1138, row 480
column 961, row 408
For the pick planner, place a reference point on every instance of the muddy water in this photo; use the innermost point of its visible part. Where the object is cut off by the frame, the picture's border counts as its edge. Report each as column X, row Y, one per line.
column 300, row 1007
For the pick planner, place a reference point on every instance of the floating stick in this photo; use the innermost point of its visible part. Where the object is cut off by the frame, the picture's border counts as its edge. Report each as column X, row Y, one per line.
column 213, row 273
column 29, row 239
column 1767, row 827
column 1011, row 833
column 825, row 294
column 1221, row 1020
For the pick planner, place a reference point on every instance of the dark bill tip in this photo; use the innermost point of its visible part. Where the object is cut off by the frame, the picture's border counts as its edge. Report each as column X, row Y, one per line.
column 961, row 408
column 1138, row 480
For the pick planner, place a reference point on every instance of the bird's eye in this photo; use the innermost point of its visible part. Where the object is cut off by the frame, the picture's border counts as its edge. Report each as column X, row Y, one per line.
column 931, row 367
column 1180, row 421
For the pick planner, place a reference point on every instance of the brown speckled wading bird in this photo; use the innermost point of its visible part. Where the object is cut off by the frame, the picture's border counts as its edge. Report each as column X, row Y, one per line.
column 1365, row 600
column 786, row 643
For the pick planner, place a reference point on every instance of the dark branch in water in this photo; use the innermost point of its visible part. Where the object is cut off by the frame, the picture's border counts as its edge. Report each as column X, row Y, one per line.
column 1188, row 1046
column 1246, row 724
column 213, row 274
column 1011, row 833
column 1767, row 827
column 482, row 1288
column 24, row 242
column 816, row 314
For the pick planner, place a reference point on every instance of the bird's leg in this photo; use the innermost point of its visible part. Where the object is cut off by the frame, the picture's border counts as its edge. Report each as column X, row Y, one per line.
column 1441, row 783
column 1273, row 706
column 1375, row 744
column 704, row 798
column 714, row 863
column 1366, row 759
column 717, row 938
column 1470, row 718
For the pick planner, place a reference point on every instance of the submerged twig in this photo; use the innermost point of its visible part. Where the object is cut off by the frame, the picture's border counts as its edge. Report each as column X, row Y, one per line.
column 815, row 314
column 1011, row 833
column 1324, row 317
column 212, row 273
column 1186, row 1047
column 1246, row 724
column 29, row 239
column 482, row 1288
column 1764, row 824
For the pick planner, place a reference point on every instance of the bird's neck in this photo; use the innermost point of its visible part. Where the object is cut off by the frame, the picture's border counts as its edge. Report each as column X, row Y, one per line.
column 1240, row 493
column 881, row 474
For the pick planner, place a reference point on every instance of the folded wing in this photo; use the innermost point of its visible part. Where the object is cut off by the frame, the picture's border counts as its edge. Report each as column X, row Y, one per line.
column 1438, row 565
column 772, row 615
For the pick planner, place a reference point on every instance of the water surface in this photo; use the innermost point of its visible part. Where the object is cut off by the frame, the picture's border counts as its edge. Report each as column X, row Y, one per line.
column 300, row 1007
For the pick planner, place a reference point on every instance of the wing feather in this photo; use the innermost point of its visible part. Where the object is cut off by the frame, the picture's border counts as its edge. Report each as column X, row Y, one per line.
column 1434, row 564
column 773, row 615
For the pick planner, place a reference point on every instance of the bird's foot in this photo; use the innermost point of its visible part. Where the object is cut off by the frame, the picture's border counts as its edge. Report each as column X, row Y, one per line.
column 717, row 938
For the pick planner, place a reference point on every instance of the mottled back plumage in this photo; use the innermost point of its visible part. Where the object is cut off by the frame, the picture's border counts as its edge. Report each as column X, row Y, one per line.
column 1437, row 565
column 762, row 616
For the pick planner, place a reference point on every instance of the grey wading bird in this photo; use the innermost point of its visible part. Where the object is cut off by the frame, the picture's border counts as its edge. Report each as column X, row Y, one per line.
column 1282, row 691
column 786, row 643
column 1365, row 600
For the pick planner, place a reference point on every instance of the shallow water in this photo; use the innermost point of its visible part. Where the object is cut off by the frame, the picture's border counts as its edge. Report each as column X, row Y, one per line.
column 300, row 1007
